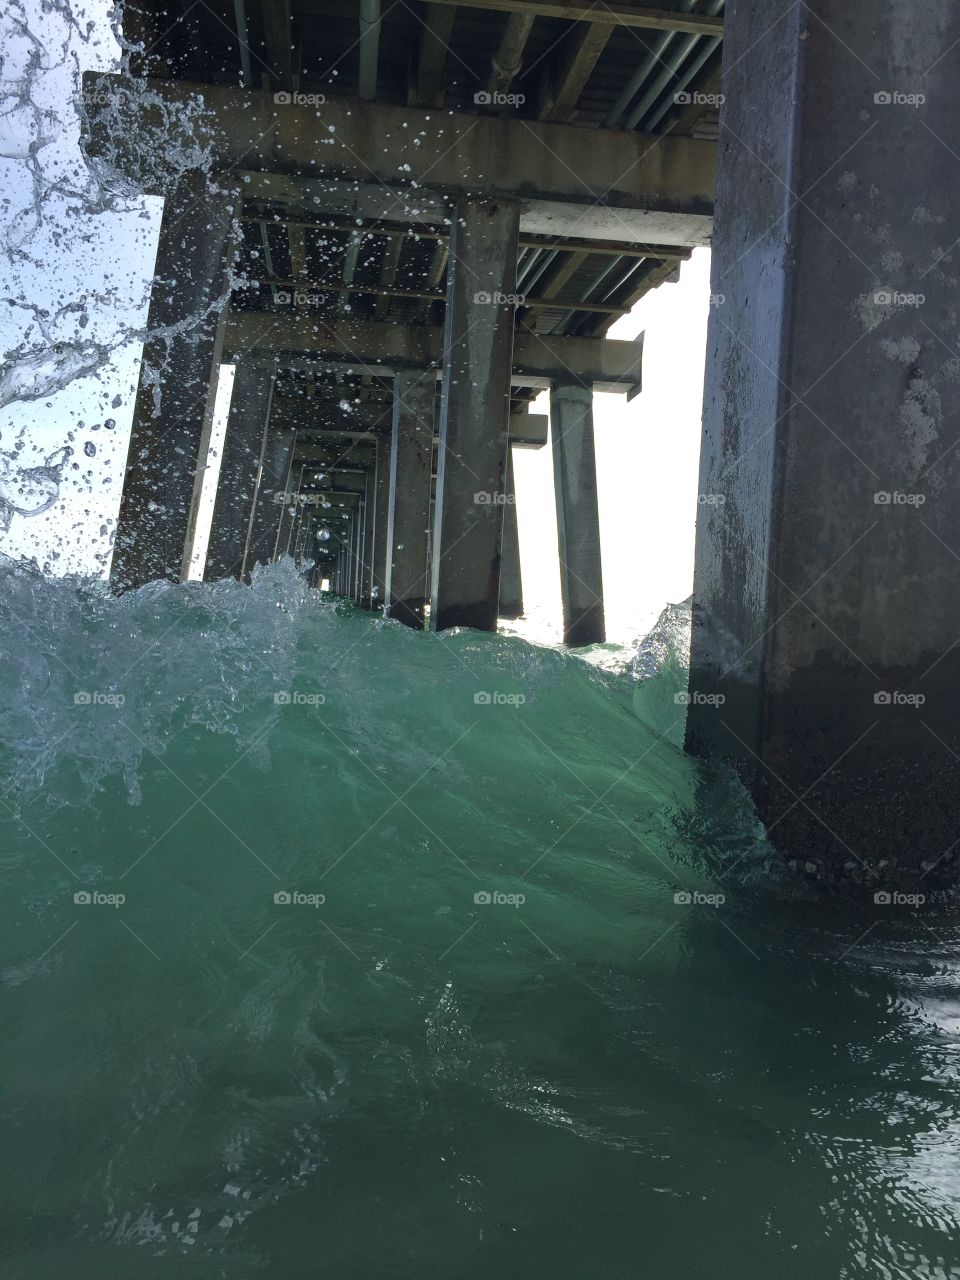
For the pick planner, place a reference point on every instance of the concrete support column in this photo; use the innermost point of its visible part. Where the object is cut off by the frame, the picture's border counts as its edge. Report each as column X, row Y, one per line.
column 410, row 483
column 474, row 414
column 346, row 583
column 272, row 484
column 305, row 538
column 511, row 580
column 293, row 510
column 343, row 576
column 825, row 658
column 352, row 553
column 381, row 519
column 240, row 465
column 369, row 537
column 173, row 415
column 356, row 551
column 578, row 514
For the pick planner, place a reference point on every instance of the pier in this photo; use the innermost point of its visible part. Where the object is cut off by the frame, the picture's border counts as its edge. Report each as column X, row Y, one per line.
column 412, row 219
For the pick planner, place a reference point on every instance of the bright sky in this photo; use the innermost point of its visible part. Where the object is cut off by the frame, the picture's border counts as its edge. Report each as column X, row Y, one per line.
column 648, row 455
column 647, row 450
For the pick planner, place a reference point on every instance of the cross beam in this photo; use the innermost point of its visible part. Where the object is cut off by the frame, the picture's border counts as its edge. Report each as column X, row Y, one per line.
column 380, row 349
column 567, row 179
column 637, row 16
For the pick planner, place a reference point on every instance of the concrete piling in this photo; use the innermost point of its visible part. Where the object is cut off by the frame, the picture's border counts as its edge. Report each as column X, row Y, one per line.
column 578, row 513
column 474, row 414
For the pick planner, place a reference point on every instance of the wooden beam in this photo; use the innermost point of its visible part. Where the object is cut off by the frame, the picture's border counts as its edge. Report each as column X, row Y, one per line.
column 561, row 86
column 388, row 274
column 570, row 244
column 684, row 121
column 379, row 348
column 654, row 188
column 659, row 275
column 434, row 295
column 438, row 269
column 350, row 257
column 298, row 249
column 278, row 40
column 617, row 15
column 426, row 87
column 573, row 263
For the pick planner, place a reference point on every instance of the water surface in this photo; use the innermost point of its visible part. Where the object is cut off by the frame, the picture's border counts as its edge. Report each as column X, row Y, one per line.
column 589, row 1077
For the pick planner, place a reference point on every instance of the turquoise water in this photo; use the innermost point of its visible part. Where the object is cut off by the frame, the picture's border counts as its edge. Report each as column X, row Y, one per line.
column 582, row 1077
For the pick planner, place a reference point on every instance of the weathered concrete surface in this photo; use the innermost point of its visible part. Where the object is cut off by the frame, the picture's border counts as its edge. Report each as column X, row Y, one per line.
column 591, row 183
column 366, row 585
column 272, row 483
column 315, row 414
column 240, row 465
column 511, row 578
column 382, row 349
column 578, row 513
column 408, row 517
column 529, row 430
column 378, row 582
column 474, row 416
column 174, row 407
column 824, row 612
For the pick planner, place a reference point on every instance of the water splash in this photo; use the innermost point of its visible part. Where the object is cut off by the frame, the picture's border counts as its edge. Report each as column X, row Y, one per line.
column 520, row 948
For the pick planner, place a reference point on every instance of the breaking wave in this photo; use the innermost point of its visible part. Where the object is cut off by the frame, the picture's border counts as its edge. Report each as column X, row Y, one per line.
column 326, row 944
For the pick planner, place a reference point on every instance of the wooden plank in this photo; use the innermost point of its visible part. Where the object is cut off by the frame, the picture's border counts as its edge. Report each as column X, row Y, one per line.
column 438, row 268
column 278, row 40
column 658, row 276
column 617, row 15
column 388, row 275
column 607, row 248
column 438, row 295
column 426, row 88
column 560, row 88
column 573, row 263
